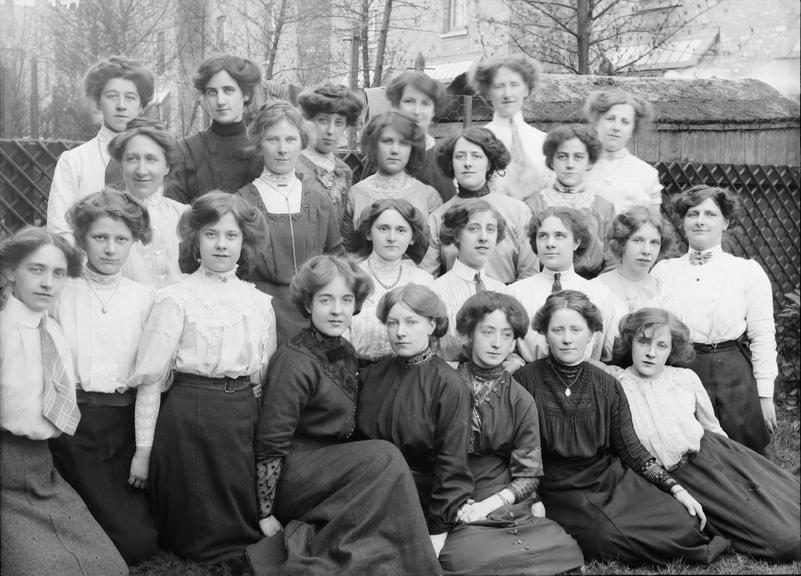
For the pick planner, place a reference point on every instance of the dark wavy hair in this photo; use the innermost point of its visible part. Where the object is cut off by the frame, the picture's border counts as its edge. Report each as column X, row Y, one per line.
column 626, row 224
column 26, row 241
column 330, row 98
column 479, row 305
column 246, row 73
column 153, row 130
column 495, row 150
column 416, row 250
column 484, row 75
column 570, row 299
column 645, row 321
column 423, row 82
column 420, row 300
column 119, row 67
column 573, row 221
column 121, row 206
column 207, row 210
column 600, row 102
column 562, row 134
column 319, row 271
column 458, row 215
column 271, row 114
column 725, row 199
column 405, row 125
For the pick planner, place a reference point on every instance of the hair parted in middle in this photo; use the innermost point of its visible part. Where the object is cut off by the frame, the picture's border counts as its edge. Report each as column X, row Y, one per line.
column 117, row 205
column 572, row 300
column 271, row 114
column 496, row 151
column 457, row 216
column 247, row 74
column 483, row 303
column 724, row 198
column 561, row 134
column 626, row 224
column 330, row 98
column 484, row 74
column 422, row 82
column 420, row 300
column 144, row 127
column 102, row 71
column 408, row 129
column 321, row 270
column 25, row 241
column 644, row 322
column 207, row 210
column 419, row 245
column 573, row 221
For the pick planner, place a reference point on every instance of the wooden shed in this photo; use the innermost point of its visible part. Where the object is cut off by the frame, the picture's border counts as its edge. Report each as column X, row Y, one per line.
column 698, row 120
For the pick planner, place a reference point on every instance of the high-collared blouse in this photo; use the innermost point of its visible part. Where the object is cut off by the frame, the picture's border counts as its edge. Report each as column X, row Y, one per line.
column 625, row 181
column 724, row 298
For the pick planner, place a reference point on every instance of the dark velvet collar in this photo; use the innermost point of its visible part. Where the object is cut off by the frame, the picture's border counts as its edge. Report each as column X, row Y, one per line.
column 486, row 374
column 231, row 129
column 417, row 360
column 564, row 370
column 465, row 193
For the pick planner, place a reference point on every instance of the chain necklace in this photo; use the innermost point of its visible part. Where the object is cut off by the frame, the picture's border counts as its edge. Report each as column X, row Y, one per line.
column 103, row 305
column 565, row 384
column 385, row 286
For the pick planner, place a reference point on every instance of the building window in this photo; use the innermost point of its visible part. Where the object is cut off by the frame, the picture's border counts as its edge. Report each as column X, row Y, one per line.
column 455, row 12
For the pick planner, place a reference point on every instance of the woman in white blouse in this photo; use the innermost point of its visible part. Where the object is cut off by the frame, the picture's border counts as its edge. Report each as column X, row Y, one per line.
column 146, row 151
column 618, row 176
column 507, row 82
column 728, row 306
column 393, row 239
column 120, row 89
column 746, row 497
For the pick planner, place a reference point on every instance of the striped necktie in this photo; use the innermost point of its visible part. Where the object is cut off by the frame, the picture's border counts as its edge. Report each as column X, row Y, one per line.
column 480, row 287
column 59, row 405
column 557, row 285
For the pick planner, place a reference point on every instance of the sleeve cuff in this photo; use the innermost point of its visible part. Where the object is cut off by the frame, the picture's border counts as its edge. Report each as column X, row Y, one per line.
column 765, row 387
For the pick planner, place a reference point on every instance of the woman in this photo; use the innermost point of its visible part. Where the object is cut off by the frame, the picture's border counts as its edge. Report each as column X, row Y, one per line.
column 559, row 236
column 507, row 81
column 420, row 404
column 147, row 151
column 301, row 222
column 674, row 420
column 732, row 304
column 45, row 528
column 120, row 88
column 395, row 144
column 214, row 334
column 423, row 97
column 393, row 239
column 331, row 108
column 503, row 455
column 637, row 239
column 618, row 176
column 346, row 507
column 474, row 158
column 216, row 158
column 600, row 484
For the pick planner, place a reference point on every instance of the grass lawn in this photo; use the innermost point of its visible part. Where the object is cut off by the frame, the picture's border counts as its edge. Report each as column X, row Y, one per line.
column 784, row 449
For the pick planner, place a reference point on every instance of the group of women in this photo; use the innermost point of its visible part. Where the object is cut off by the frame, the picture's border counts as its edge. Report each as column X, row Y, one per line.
column 464, row 363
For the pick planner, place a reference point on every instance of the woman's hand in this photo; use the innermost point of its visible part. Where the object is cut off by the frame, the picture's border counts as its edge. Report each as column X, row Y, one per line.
column 513, row 363
column 473, row 511
column 438, row 541
column 769, row 413
column 270, row 526
column 140, row 466
column 538, row 510
column 691, row 504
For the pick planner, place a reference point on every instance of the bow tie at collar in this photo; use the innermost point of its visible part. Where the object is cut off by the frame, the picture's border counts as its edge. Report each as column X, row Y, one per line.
column 699, row 258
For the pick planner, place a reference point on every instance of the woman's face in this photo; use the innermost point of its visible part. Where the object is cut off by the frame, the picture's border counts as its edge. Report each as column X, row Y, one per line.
column 224, row 98
column 144, row 166
column 393, row 152
column 616, row 127
column 492, row 340
column 508, row 91
column 650, row 352
column 477, row 239
column 418, row 104
column 555, row 244
column 704, row 224
column 107, row 243
column 328, row 129
column 568, row 336
column 470, row 164
column 280, row 147
column 641, row 250
column 220, row 244
column 38, row 279
column 332, row 307
column 571, row 162
column 119, row 103
column 390, row 235
column 408, row 331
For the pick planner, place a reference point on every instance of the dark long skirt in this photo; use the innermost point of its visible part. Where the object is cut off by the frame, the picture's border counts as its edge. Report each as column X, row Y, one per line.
column 203, row 471
column 746, row 497
column 351, row 509
column 728, row 376
column 615, row 514
column 45, row 528
column 97, row 463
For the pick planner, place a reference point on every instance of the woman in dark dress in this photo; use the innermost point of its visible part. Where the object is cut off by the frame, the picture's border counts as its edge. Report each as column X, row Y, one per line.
column 345, row 507
column 420, row 404
column 504, row 456
column 600, row 483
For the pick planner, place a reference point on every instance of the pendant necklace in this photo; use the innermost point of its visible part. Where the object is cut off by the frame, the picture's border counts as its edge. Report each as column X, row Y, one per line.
column 567, row 386
column 103, row 305
column 384, row 286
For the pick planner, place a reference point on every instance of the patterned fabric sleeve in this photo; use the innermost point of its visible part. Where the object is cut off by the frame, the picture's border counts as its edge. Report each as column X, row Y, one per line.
column 268, row 472
column 526, row 458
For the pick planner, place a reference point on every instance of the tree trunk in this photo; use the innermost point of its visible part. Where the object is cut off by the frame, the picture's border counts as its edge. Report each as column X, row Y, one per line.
column 382, row 44
column 365, row 44
column 279, row 25
column 584, row 36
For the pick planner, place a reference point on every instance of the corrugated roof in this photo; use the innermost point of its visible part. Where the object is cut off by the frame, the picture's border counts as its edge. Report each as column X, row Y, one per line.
column 445, row 72
column 679, row 53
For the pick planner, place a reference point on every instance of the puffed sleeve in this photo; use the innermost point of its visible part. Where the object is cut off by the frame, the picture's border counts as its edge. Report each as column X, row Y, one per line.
column 63, row 194
column 653, row 187
column 760, row 327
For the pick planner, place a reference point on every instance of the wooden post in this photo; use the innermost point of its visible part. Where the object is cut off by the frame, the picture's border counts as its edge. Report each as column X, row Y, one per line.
column 354, row 77
column 419, row 63
column 34, row 97
column 468, row 111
